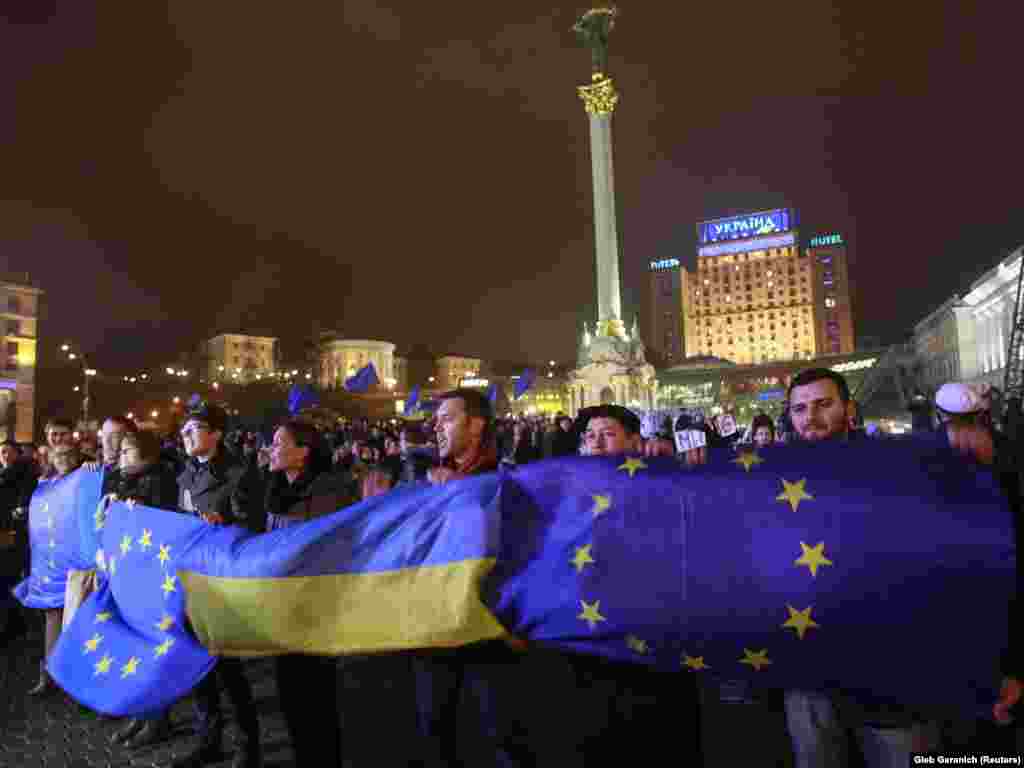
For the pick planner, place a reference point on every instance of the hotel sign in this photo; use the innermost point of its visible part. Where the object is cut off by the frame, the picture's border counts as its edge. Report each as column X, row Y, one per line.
column 748, row 225
column 475, row 383
column 664, row 264
column 825, row 240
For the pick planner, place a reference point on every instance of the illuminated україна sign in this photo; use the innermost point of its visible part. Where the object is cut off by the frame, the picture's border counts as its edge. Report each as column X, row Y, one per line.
column 665, row 264
column 821, row 240
column 748, row 225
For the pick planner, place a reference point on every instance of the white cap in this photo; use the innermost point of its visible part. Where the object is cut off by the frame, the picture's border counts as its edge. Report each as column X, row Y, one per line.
column 958, row 398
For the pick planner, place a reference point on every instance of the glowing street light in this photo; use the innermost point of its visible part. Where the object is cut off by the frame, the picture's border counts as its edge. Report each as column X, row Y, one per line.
column 177, row 400
column 154, row 414
column 220, row 367
column 144, row 377
column 170, row 371
column 64, row 347
column 431, row 379
column 90, row 371
column 309, row 375
column 77, row 389
column 295, row 373
column 130, row 415
column 71, row 356
column 551, row 362
column 216, row 385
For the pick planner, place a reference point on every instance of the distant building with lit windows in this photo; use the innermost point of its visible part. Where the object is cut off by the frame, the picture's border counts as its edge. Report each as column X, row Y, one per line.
column 833, row 312
column 342, row 358
column 19, row 305
column 663, row 327
column 239, row 357
column 452, row 369
column 752, row 298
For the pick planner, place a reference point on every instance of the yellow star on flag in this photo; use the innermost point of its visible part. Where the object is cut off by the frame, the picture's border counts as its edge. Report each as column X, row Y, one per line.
column 165, row 623
column 130, row 667
column 50, row 523
column 633, row 466
column 100, row 516
column 813, row 557
column 165, row 554
column 794, row 493
column 636, row 644
column 801, row 621
column 601, row 503
column 582, row 558
column 126, row 544
column 168, row 585
column 146, row 540
column 748, row 459
column 53, row 544
column 165, row 646
column 112, row 565
column 102, row 666
column 101, row 562
column 93, row 643
column 696, row 663
column 52, row 563
column 46, row 579
column 101, row 617
column 591, row 613
column 756, row 659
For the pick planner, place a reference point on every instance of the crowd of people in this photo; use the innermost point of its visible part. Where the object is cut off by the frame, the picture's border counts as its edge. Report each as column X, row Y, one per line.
column 491, row 704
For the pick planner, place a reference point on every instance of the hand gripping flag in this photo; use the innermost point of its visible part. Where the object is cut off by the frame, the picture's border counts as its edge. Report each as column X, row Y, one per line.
column 412, row 401
column 524, row 382
column 861, row 566
column 63, row 518
column 363, row 379
column 301, row 396
column 127, row 650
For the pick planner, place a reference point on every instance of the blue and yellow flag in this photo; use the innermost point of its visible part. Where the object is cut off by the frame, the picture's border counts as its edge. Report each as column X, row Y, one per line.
column 127, row 651
column 880, row 568
column 363, row 379
column 62, row 519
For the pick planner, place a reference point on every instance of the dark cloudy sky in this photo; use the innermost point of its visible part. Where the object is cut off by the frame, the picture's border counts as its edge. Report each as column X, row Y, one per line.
column 419, row 172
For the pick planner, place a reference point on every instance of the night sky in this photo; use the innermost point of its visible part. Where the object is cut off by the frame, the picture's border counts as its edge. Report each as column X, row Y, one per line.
column 420, row 173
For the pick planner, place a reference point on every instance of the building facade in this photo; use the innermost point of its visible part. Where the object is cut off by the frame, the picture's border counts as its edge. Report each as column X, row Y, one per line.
column 341, row 358
column 664, row 330
column 20, row 307
column 967, row 338
column 830, row 295
column 751, row 299
column 239, row 357
column 452, row 369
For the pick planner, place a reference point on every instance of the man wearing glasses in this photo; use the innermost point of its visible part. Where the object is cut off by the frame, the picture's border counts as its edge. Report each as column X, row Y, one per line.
column 219, row 489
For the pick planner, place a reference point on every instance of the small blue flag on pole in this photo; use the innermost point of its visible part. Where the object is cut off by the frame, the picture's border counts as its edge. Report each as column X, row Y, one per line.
column 492, row 393
column 364, row 378
column 302, row 396
column 524, row 382
column 412, row 401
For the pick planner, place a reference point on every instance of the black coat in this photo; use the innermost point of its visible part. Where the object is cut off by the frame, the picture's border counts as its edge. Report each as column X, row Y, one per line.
column 308, row 497
column 224, row 487
column 17, row 483
column 155, row 486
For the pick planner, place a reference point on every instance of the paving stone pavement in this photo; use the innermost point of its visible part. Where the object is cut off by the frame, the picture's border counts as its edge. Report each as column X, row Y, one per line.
column 55, row 732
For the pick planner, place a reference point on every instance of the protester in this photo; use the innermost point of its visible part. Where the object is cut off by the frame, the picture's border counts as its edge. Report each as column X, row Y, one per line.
column 762, row 430
column 220, row 491
column 65, row 459
column 301, row 487
column 564, row 442
column 143, row 479
column 17, row 483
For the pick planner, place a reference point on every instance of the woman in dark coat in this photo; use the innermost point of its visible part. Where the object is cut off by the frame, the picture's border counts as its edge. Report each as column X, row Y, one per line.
column 302, row 487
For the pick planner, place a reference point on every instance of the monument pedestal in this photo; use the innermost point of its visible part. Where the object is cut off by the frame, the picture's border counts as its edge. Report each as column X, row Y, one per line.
column 612, row 369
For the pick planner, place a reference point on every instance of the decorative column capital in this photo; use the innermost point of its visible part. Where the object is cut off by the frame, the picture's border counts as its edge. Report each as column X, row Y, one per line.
column 600, row 97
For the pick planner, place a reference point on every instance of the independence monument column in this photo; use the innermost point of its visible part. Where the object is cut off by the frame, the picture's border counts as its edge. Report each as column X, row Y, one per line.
column 599, row 99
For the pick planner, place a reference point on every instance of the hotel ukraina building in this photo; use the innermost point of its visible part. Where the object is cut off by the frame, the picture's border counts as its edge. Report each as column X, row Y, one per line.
column 756, row 295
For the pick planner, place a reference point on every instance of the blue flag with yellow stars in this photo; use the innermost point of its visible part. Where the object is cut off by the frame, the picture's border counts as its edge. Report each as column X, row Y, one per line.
column 59, row 510
column 880, row 568
column 127, row 650
column 363, row 379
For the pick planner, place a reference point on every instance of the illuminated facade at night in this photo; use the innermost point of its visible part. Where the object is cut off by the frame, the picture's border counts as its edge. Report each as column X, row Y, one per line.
column 833, row 312
column 751, row 299
column 19, row 305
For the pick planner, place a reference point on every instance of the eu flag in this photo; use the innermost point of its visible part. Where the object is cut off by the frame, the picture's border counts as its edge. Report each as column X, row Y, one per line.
column 127, row 650
column 862, row 566
column 301, row 396
column 63, row 518
column 412, row 401
column 524, row 382
column 492, row 394
column 363, row 379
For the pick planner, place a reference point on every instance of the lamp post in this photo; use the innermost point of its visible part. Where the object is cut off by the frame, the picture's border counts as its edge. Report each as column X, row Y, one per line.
column 87, row 373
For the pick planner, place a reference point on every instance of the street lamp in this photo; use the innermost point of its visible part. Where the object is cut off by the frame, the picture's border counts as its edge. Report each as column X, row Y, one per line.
column 87, row 373
column 177, row 399
column 154, row 414
column 64, row 348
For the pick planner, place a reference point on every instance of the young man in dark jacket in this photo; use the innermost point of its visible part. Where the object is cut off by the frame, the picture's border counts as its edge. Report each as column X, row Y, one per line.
column 221, row 491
